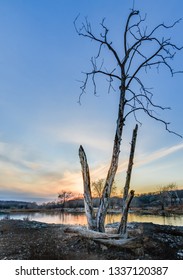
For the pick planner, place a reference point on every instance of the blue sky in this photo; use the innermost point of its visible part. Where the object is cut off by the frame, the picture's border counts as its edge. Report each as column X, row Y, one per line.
column 41, row 123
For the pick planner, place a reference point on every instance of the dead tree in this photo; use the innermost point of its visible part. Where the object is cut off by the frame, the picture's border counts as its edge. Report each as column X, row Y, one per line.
column 142, row 50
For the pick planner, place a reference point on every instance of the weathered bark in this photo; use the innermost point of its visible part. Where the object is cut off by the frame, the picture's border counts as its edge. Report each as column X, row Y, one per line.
column 130, row 243
column 91, row 234
column 123, row 224
column 130, row 163
column 127, row 198
column 114, row 240
column 104, row 203
column 87, row 190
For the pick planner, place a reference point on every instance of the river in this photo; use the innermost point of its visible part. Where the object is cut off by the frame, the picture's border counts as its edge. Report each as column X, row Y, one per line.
column 80, row 219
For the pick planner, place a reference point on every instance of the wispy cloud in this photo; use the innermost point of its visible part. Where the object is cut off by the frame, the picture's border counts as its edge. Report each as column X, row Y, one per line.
column 147, row 158
column 73, row 181
column 18, row 156
column 88, row 135
column 41, row 178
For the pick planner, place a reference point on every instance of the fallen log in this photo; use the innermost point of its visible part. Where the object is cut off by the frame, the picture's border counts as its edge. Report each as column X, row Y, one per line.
column 90, row 234
column 107, row 239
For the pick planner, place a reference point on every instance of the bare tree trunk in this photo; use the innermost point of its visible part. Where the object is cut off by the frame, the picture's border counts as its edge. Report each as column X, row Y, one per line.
column 128, row 198
column 87, row 190
column 123, row 224
column 130, row 163
column 104, row 203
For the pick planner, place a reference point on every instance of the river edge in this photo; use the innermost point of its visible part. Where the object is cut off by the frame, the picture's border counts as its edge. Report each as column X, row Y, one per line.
column 77, row 216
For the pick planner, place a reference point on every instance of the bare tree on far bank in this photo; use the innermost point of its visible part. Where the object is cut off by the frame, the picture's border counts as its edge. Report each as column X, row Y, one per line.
column 64, row 196
column 142, row 51
column 98, row 186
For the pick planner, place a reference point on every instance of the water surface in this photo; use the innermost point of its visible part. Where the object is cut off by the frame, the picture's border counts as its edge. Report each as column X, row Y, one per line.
column 80, row 218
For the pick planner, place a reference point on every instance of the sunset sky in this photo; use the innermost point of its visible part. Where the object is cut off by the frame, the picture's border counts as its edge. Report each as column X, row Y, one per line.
column 41, row 123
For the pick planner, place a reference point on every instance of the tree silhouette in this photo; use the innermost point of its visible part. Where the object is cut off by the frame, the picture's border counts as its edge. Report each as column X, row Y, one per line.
column 64, row 196
column 142, row 50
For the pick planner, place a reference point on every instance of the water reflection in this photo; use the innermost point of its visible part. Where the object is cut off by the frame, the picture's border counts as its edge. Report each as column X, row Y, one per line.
column 80, row 218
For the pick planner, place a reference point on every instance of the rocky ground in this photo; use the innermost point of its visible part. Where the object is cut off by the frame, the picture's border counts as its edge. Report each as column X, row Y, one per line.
column 30, row 240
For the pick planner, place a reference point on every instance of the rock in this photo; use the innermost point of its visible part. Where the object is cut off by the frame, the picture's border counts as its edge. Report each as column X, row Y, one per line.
column 180, row 254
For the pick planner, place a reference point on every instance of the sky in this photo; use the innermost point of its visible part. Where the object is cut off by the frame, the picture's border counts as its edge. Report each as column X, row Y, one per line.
column 42, row 125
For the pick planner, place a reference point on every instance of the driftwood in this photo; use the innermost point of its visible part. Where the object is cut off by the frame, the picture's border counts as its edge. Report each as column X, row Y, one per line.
column 107, row 239
column 90, row 234
column 130, row 243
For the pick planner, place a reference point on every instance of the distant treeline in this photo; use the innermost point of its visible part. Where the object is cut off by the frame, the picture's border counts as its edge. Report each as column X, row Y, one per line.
column 161, row 200
column 17, row 205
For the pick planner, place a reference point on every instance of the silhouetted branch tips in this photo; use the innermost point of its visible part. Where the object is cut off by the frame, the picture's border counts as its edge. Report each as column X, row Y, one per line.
column 143, row 50
column 163, row 52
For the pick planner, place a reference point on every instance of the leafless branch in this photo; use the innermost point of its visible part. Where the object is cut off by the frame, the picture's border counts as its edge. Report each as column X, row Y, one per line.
column 135, row 59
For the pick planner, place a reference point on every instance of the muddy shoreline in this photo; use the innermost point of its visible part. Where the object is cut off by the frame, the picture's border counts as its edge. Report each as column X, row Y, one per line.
column 31, row 240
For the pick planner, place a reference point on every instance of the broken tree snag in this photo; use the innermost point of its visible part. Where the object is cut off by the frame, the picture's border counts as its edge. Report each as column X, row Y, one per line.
column 87, row 190
column 130, row 163
column 123, row 224
column 128, row 198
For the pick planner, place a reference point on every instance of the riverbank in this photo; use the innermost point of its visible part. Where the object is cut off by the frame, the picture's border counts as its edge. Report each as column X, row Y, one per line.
column 28, row 240
column 176, row 210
